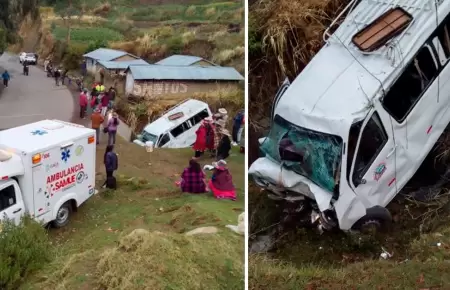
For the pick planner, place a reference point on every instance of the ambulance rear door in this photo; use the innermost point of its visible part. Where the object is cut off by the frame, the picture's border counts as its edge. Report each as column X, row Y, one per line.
column 41, row 192
column 84, row 158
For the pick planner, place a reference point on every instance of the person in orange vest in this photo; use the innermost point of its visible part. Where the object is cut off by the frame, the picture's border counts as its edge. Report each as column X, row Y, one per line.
column 97, row 120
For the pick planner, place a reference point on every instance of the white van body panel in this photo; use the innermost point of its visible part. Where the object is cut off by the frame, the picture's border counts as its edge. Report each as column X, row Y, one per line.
column 163, row 125
column 66, row 170
column 342, row 85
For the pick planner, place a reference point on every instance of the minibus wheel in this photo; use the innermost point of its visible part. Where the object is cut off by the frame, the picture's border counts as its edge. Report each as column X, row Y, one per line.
column 63, row 215
column 377, row 219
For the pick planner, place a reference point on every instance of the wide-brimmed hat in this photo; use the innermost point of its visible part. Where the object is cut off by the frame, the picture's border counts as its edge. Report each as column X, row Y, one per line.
column 221, row 164
column 222, row 111
column 225, row 132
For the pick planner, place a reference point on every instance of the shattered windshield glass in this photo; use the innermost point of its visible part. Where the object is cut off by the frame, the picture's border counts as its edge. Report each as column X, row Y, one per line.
column 312, row 154
column 149, row 137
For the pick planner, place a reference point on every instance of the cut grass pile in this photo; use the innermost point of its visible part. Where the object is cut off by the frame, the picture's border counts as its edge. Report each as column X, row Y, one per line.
column 100, row 249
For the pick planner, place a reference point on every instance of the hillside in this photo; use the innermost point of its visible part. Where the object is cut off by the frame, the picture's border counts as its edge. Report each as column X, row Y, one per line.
column 100, row 248
column 12, row 14
column 150, row 29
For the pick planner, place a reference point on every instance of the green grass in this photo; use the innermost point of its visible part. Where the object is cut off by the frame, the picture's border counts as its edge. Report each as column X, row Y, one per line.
column 304, row 259
column 210, row 12
column 87, row 34
column 88, row 252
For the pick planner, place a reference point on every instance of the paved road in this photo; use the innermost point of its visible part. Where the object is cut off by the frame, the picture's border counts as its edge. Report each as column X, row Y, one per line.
column 31, row 98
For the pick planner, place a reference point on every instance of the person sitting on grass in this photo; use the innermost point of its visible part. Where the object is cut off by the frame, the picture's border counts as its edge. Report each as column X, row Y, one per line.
column 193, row 178
column 221, row 183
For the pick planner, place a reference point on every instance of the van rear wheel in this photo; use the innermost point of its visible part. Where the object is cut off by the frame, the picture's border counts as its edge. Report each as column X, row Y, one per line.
column 63, row 215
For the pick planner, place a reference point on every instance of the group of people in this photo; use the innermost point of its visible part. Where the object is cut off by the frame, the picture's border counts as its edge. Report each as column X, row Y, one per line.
column 101, row 102
column 212, row 136
column 193, row 180
column 54, row 71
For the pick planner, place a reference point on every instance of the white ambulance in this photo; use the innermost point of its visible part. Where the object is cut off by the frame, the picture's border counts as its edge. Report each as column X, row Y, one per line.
column 47, row 169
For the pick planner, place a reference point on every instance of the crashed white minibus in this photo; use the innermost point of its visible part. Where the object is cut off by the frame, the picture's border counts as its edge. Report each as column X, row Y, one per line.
column 357, row 123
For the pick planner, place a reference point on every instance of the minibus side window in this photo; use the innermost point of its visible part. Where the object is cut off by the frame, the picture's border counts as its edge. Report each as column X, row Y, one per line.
column 410, row 86
column 373, row 139
column 180, row 129
column 352, row 142
column 199, row 117
column 7, row 197
column 444, row 39
column 164, row 139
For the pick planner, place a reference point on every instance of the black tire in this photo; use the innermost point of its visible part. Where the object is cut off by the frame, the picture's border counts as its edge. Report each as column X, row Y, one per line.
column 63, row 215
column 377, row 219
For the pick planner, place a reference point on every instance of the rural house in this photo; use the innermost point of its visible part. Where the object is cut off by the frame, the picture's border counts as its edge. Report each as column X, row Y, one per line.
column 111, row 68
column 179, row 81
column 184, row 60
column 105, row 54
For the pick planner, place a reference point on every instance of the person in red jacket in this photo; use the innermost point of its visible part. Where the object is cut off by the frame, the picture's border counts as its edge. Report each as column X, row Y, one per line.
column 83, row 103
column 105, row 103
column 200, row 141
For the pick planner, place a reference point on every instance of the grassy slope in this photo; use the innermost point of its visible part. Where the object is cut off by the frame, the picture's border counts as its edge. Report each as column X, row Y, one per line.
column 303, row 259
column 86, row 252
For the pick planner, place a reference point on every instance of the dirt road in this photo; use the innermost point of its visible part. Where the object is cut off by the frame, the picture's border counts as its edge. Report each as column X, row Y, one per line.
column 31, row 98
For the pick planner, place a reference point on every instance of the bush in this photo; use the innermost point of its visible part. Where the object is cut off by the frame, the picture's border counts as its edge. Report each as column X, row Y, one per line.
column 175, row 44
column 73, row 56
column 2, row 40
column 23, row 249
column 96, row 44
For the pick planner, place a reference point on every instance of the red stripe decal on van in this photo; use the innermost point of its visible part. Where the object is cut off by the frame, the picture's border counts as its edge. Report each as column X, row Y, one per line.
column 392, row 181
column 429, row 129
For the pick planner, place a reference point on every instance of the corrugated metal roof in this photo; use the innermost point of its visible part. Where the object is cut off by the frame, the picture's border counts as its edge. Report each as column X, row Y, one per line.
column 122, row 64
column 181, row 60
column 105, row 54
column 204, row 73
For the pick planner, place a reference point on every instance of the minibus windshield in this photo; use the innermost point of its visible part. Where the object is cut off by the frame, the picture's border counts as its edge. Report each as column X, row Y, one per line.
column 312, row 154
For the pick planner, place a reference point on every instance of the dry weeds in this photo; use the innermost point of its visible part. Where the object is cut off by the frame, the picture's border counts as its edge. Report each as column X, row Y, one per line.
column 191, row 11
column 227, row 55
column 292, row 30
column 148, row 110
column 188, row 37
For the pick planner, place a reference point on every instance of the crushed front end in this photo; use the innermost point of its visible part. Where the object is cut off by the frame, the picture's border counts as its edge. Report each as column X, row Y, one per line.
column 300, row 167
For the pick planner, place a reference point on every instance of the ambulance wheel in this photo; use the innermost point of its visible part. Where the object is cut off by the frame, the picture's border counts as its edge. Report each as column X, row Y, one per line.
column 63, row 215
column 377, row 219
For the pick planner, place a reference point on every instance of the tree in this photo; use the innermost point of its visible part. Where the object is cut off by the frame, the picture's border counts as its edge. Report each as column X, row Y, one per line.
column 67, row 13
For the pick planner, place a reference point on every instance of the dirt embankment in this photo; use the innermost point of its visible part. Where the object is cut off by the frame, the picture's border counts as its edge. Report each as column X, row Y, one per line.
column 30, row 34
